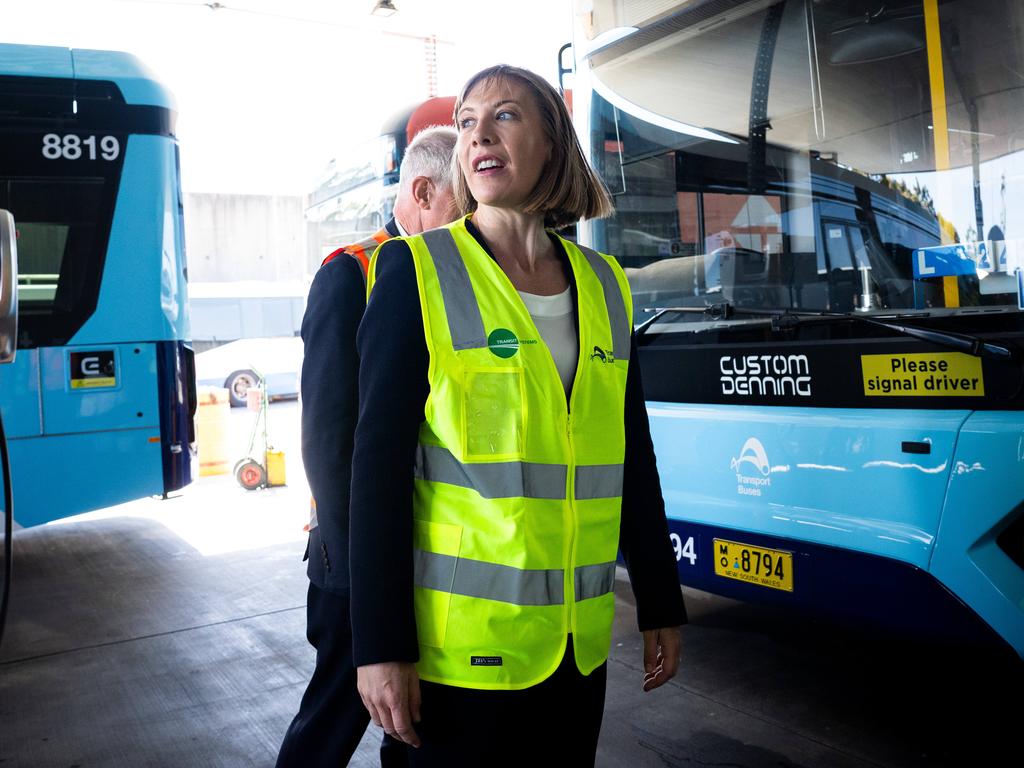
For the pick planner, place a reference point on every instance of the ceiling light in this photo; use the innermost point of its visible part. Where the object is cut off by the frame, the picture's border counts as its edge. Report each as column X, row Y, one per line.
column 383, row 8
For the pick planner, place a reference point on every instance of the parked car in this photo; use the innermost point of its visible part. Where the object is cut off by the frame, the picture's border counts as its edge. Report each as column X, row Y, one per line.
column 238, row 365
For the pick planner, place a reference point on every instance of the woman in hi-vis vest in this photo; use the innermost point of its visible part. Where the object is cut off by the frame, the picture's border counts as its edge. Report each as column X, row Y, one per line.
column 503, row 458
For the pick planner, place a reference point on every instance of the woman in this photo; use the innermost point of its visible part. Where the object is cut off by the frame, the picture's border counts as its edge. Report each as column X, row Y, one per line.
column 497, row 369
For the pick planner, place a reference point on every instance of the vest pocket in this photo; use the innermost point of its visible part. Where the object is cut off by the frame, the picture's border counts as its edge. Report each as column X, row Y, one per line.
column 492, row 414
column 435, row 552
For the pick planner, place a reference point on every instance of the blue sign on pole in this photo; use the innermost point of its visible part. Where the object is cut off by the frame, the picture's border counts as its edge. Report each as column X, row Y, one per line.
column 943, row 261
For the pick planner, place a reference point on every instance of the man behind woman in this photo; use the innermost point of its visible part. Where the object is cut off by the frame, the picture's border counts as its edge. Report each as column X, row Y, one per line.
column 331, row 719
column 503, row 457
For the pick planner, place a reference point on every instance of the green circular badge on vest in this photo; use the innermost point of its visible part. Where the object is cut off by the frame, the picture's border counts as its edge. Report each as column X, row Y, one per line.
column 503, row 342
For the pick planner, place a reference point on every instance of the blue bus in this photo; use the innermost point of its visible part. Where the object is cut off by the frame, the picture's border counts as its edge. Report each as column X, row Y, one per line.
column 100, row 400
column 817, row 207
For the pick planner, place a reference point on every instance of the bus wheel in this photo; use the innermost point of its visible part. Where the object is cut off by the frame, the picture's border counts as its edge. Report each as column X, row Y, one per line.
column 238, row 384
column 250, row 475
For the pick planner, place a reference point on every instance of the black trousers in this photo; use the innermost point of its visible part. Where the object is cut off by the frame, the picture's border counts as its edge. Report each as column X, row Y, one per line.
column 331, row 719
column 554, row 723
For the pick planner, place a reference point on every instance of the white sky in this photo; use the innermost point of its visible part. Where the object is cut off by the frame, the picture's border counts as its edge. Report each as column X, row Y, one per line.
column 268, row 91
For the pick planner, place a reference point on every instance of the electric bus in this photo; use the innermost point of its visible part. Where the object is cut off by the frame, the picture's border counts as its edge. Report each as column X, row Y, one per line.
column 99, row 401
column 820, row 208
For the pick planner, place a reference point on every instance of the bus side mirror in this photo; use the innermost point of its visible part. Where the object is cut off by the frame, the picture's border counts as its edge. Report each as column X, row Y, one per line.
column 8, row 288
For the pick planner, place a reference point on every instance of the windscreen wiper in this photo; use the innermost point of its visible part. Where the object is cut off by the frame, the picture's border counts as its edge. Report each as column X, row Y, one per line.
column 786, row 319
column 722, row 311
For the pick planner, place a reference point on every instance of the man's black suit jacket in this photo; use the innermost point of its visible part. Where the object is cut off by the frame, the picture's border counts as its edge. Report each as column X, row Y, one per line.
column 330, row 405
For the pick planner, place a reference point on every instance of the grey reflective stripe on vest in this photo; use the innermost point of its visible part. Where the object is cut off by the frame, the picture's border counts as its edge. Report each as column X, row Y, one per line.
column 492, row 480
column 474, row 578
column 598, row 481
column 613, row 298
column 460, row 304
column 594, row 580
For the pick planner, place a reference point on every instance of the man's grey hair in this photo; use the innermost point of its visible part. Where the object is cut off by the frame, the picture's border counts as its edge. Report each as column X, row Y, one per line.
column 430, row 154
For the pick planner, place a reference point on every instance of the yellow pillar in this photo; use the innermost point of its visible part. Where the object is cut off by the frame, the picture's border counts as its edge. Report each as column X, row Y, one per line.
column 940, row 124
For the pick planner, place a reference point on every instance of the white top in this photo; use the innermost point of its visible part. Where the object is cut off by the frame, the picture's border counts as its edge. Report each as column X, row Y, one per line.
column 556, row 322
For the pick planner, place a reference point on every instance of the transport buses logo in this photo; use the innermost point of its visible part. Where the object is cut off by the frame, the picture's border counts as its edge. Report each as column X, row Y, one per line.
column 765, row 375
column 752, row 468
column 927, row 374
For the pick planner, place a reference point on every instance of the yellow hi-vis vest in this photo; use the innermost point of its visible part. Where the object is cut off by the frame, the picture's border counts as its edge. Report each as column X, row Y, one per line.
column 517, row 497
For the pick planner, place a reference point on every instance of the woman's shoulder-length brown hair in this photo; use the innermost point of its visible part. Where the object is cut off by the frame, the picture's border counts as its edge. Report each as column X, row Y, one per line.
column 568, row 189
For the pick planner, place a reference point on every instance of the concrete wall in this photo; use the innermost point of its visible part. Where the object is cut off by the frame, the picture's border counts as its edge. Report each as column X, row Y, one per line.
column 244, row 237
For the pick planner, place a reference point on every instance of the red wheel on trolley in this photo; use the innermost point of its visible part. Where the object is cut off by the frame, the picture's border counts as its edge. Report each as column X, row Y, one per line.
column 250, row 474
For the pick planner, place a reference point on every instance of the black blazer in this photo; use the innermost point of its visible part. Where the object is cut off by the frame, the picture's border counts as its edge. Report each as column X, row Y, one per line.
column 330, row 403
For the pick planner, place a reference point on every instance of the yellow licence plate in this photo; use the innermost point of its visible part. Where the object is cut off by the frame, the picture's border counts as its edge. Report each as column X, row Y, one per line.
column 766, row 567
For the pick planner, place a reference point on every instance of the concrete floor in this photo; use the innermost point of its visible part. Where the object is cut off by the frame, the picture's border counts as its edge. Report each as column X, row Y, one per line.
column 170, row 633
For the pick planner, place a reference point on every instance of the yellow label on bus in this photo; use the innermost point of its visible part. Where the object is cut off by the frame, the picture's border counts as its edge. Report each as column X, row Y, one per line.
column 928, row 374
column 92, row 383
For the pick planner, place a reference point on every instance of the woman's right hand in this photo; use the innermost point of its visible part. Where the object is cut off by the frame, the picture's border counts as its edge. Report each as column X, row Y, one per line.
column 391, row 694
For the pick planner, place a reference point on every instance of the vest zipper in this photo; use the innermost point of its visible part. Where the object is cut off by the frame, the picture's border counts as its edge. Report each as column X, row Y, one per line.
column 573, row 526
column 571, row 471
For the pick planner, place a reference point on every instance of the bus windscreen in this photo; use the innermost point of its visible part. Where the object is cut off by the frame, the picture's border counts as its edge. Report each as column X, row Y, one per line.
column 787, row 155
